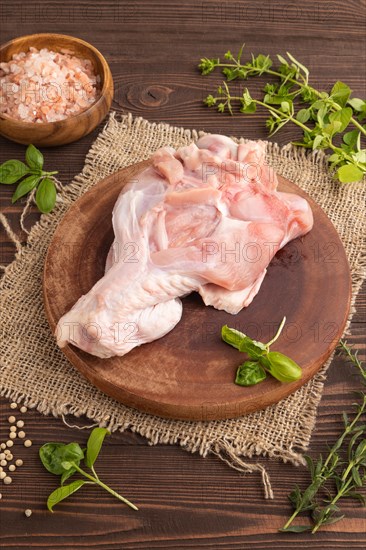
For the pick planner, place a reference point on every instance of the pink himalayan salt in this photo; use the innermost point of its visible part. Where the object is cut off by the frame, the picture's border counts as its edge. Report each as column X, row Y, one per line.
column 45, row 86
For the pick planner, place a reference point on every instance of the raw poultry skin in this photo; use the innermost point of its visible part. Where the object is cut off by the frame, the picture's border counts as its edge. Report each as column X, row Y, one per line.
column 204, row 218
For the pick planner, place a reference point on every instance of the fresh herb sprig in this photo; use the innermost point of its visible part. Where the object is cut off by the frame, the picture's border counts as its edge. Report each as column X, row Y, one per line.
column 64, row 460
column 13, row 171
column 327, row 114
column 345, row 466
column 262, row 360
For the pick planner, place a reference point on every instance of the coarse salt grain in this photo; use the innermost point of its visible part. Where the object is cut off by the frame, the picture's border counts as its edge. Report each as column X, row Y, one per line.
column 46, row 86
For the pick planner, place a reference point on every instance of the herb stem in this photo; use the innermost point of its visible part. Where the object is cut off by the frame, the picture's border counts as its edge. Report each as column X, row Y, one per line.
column 334, row 105
column 276, row 336
column 104, row 486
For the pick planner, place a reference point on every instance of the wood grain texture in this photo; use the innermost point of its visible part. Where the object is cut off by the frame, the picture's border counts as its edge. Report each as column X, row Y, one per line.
column 190, row 371
column 185, row 501
column 72, row 128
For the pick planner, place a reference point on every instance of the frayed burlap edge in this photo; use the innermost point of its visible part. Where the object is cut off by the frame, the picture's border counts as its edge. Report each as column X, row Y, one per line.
column 230, row 445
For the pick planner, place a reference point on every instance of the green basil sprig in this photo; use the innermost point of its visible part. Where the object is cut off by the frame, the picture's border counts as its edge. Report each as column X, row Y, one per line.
column 13, row 171
column 64, row 460
column 262, row 360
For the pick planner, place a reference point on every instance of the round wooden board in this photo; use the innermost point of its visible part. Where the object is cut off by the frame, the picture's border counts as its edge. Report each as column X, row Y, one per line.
column 189, row 374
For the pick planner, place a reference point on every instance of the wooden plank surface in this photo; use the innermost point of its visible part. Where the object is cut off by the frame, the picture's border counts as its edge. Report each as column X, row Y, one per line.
column 185, row 501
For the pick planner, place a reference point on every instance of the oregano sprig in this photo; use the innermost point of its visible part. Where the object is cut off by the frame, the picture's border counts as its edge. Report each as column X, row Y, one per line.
column 344, row 467
column 13, row 171
column 64, row 460
column 322, row 115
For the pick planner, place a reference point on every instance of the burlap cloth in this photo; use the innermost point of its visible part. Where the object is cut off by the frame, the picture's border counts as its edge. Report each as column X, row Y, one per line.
column 34, row 370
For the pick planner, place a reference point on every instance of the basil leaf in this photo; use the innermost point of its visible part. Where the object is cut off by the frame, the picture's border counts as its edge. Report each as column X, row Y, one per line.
column 63, row 492
column 53, row 455
column 12, row 170
column 349, row 173
column 34, row 158
column 250, row 373
column 340, row 93
column 24, row 187
column 94, row 445
column 46, row 195
column 68, row 473
column 242, row 342
column 281, row 367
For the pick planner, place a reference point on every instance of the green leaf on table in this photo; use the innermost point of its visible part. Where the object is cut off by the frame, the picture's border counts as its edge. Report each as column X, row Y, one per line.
column 357, row 104
column 46, row 195
column 303, row 115
column 34, row 158
column 242, row 342
column 67, row 474
column 53, row 455
column 349, row 173
column 296, row 529
column 250, row 373
column 340, row 93
column 12, row 170
column 94, row 445
column 63, row 492
column 317, row 141
column 343, row 116
column 25, row 186
column 351, row 138
column 281, row 367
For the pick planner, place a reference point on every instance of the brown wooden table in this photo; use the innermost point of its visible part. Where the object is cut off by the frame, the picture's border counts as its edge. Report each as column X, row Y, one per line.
column 186, row 501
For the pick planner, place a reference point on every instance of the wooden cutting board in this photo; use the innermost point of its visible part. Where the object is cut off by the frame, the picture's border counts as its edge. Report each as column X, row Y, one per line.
column 189, row 374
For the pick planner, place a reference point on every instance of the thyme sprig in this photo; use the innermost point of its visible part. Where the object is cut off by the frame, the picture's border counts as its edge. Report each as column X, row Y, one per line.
column 327, row 114
column 345, row 466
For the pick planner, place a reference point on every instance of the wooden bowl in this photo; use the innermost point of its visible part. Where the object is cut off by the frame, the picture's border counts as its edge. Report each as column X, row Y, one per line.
column 49, row 134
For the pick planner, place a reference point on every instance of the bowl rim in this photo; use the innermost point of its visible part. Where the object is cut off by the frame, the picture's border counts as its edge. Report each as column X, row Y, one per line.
column 82, row 114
